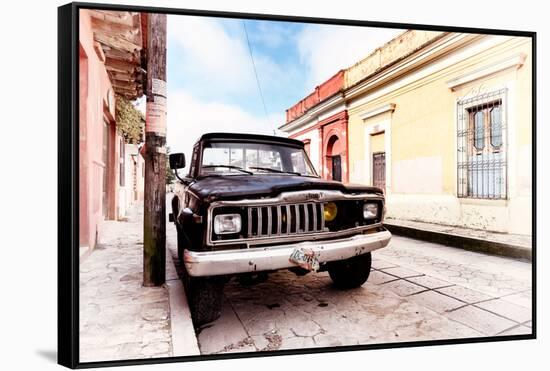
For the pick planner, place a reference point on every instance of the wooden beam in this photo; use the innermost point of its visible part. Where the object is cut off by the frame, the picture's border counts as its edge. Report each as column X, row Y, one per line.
column 122, row 78
column 111, row 69
column 117, row 70
column 116, row 42
column 134, row 58
column 130, row 94
column 134, row 86
column 131, row 33
column 126, row 76
column 123, row 18
column 121, row 66
column 125, row 90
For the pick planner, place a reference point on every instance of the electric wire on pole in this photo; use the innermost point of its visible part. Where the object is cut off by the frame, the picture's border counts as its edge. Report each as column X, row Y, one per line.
column 256, row 75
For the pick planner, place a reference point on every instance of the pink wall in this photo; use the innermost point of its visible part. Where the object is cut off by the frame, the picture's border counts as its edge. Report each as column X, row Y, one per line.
column 335, row 126
column 97, row 103
column 321, row 92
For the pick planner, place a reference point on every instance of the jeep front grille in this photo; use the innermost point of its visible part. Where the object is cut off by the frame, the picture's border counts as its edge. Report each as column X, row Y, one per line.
column 281, row 220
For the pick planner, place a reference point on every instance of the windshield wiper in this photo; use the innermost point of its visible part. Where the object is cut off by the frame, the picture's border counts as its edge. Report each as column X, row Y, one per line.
column 274, row 170
column 229, row 167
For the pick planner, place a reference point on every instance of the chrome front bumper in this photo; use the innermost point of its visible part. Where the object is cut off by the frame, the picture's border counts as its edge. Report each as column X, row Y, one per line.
column 257, row 259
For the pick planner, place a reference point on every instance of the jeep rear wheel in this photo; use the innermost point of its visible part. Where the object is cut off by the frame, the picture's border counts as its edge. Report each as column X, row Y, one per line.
column 352, row 272
column 205, row 296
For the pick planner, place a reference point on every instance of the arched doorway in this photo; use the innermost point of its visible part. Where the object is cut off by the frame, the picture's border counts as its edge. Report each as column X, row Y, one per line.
column 334, row 157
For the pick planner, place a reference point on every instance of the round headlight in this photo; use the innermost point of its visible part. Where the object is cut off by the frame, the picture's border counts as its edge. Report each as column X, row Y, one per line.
column 330, row 211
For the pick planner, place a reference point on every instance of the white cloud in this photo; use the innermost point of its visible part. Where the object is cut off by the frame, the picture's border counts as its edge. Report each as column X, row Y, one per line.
column 211, row 53
column 324, row 50
column 217, row 54
column 189, row 118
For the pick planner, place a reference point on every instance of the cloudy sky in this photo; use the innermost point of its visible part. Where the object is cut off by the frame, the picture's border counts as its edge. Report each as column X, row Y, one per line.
column 211, row 80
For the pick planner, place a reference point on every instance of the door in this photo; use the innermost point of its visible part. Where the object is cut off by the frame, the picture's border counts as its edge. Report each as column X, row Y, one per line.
column 379, row 170
column 337, row 168
column 105, row 159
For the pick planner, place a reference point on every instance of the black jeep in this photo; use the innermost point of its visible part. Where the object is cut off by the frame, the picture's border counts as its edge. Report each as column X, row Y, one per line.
column 253, row 204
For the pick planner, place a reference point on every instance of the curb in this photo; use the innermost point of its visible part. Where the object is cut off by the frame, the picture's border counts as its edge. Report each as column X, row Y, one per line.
column 463, row 242
column 184, row 339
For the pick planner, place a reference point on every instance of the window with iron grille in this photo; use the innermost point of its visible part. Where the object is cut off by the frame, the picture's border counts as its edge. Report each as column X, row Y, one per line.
column 482, row 147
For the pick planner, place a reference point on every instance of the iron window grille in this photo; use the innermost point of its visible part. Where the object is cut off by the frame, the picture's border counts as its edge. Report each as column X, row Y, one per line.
column 482, row 146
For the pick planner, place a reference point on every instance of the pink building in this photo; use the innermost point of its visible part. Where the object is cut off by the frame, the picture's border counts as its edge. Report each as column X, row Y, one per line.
column 110, row 51
column 320, row 120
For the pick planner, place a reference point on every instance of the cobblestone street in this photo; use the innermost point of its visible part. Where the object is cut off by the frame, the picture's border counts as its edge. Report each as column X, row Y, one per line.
column 416, row 291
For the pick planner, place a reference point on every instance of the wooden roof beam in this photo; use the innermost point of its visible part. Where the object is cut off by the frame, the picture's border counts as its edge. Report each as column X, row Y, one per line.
column 130, row 84
column 119, row 65
column 123, row 18
column 111, row 69
column 126, row 76
column 134, row 58
column 131, row 33
column 124, row 86
column 116, row 42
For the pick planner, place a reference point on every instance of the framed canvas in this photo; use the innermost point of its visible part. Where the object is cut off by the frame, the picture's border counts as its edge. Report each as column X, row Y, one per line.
column 253, row 185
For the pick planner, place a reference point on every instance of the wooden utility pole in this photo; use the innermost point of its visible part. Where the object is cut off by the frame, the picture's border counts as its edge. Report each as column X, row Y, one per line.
column 154, row 215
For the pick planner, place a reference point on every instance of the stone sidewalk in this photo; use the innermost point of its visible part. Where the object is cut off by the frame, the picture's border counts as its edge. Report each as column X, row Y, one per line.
column 504, row 244
column 121, row 319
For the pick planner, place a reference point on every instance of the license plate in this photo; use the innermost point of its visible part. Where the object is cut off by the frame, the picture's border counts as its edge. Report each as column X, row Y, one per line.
column 305, row 258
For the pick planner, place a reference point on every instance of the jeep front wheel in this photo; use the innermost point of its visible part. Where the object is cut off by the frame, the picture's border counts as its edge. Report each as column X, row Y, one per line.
column 352, row 272
column 183, row 242
column 205, row 296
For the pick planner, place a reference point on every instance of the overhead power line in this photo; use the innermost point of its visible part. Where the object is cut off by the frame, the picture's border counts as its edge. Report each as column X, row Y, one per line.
column 256, row 75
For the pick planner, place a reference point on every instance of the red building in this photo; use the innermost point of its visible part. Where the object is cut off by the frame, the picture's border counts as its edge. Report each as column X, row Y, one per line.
column 110, row 54
column 320, row 120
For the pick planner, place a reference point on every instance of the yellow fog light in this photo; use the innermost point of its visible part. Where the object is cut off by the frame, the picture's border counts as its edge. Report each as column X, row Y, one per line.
column 330, row 211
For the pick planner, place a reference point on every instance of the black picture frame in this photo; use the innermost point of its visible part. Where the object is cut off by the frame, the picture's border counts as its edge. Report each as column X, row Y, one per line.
column 68, row 178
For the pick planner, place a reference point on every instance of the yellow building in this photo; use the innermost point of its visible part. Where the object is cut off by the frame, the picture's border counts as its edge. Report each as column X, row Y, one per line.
column 443, row 122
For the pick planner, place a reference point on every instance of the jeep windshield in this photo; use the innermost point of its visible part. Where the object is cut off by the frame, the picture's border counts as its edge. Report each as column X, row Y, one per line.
column 233, row 158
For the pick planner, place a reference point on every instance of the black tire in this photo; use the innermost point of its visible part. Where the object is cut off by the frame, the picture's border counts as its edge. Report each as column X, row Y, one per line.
column 205, row 297
column 183, row 242
column 204, row 294
column 352, row 272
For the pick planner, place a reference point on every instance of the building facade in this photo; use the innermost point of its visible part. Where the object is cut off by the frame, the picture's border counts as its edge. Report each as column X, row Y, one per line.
column 443, row 123
column 321, row 121
column 132, row 176
column 110, row 46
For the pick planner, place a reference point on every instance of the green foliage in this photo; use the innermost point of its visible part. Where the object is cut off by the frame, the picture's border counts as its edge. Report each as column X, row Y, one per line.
column 129, row 120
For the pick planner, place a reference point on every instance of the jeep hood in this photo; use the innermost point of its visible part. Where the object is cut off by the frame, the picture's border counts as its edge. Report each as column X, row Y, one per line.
column 251, row 186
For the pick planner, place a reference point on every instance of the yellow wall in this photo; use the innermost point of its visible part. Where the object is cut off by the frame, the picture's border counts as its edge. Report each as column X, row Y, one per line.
column 377, row 143
column 424, row 135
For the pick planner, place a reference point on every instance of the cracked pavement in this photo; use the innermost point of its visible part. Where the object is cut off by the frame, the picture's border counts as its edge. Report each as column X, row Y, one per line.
column 119, row 318
column 416, row 291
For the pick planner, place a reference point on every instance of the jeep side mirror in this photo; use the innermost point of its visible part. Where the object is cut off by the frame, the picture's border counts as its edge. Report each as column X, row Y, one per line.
column 177, row 161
